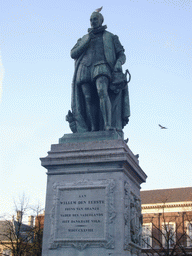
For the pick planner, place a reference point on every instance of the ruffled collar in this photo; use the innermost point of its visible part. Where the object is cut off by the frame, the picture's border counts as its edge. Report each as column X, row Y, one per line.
column 97, row 30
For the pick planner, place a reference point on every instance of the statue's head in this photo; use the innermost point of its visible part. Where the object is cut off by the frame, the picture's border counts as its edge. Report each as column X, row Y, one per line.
column 96, row 19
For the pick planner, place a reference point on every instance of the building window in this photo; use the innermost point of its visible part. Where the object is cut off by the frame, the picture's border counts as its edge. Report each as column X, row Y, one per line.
column 189, row 234
column 147, row 235
column 168, row 234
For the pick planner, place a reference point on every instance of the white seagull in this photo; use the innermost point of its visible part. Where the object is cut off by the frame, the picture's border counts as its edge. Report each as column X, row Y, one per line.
column 99, row 9
column 162, row 127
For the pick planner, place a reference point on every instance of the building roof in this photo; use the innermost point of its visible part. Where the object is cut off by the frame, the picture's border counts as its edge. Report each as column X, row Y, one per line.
column 171, row 195
column 8, row 227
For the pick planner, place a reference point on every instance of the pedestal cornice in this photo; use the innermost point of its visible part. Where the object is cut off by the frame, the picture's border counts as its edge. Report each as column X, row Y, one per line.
column 88, row 152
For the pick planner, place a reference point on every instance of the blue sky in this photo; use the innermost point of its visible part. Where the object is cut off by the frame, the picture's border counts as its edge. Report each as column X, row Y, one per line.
column 36, row 73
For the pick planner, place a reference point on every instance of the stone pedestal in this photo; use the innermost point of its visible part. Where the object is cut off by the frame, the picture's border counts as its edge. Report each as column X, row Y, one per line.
column 93, row 197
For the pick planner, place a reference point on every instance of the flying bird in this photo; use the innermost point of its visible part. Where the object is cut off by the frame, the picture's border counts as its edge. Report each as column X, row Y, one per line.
column 99, row 9
column 162, row 127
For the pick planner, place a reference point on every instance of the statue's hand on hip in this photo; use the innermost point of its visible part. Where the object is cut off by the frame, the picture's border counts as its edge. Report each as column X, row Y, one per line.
column 118, row 66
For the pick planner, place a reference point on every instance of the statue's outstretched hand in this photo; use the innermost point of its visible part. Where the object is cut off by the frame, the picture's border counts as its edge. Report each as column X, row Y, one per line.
column 118, row 66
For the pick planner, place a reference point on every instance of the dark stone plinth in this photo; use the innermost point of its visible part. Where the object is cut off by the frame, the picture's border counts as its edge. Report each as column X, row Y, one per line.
column 91, row 136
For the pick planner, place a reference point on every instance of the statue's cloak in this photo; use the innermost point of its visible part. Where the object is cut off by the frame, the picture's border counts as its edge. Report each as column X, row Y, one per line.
column 119, row 100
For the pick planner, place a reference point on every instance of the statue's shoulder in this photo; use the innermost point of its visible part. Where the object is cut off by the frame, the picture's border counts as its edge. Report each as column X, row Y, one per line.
column 115, row 38
column 83, row 39
column 107, row 33
column 85, row 36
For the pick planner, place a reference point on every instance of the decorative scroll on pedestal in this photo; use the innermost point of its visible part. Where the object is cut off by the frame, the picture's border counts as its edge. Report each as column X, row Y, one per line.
column 127, row 235
column 83, row 214
column 133, row 220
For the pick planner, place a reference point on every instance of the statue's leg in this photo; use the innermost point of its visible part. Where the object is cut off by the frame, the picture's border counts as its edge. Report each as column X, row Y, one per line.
column 105, row 104
column 86, row 88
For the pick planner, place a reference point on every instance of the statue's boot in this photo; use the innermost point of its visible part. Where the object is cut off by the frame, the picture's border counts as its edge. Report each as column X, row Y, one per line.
column 105, row 104
column 88, row 105
column 90, row 113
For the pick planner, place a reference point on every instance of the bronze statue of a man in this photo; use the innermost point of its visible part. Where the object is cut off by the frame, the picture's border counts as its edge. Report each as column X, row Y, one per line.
column 96, row 105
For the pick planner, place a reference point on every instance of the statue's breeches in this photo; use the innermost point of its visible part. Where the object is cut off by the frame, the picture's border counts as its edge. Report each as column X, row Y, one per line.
column 89, row 74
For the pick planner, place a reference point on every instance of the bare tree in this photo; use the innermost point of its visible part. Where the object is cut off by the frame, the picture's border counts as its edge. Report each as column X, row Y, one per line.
column 167, row 234
column 36, row 248
column 15, row 236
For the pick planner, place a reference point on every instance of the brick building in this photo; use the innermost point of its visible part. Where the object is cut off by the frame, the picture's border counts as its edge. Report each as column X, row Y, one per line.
column 167, row 221
column 15, row 235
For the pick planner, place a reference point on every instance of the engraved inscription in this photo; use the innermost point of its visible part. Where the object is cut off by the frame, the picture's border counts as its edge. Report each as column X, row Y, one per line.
column 81, row 213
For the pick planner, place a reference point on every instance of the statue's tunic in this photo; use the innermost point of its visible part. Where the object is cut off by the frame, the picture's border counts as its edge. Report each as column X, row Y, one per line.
column 93, row 58
column 93, row 63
